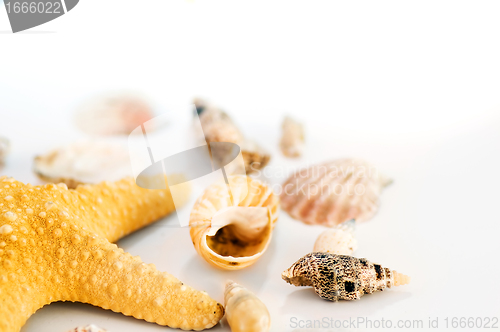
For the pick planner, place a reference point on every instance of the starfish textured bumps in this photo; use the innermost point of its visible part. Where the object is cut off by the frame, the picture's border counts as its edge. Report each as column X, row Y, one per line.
column 56, row 245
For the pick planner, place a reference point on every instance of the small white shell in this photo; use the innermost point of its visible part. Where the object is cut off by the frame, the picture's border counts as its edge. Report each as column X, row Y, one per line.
column 234, row 237
column 245, row 312
column 292, row 139
column 88, row 328
column 339, row 240
column 84, row 162
column 331, row 193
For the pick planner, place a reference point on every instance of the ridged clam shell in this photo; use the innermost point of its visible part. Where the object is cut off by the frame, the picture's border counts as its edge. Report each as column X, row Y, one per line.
column 233, row 237
column 331, row 193
column 245, row 312
column 338, row 240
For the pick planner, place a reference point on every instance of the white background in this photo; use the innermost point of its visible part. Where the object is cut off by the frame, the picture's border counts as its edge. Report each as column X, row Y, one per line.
column 411, row 86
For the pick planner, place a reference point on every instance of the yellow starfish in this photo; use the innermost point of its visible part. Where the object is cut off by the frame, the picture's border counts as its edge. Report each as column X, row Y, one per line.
column 56, row 245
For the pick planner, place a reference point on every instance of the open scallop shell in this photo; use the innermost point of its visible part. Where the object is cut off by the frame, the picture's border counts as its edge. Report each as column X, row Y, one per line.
column 233, row 237
column 333, row 192
column 84, row 162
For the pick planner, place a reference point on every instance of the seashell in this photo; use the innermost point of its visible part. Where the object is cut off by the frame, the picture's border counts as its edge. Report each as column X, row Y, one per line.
column 88, row 328
column 4, row 149
column 245, row 312
column 113, row 114
column 331, row 193
column 340, row 277
column 292, row 139
column 85, row 162
column 339, row 240
column 218, row 127
column 234, row 237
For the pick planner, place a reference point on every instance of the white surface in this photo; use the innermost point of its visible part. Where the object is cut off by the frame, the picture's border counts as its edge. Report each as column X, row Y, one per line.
column 411, row 87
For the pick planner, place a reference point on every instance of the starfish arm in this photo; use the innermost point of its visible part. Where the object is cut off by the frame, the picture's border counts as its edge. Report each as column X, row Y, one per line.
column 55, row 246
column 116, row 209
column 116, row 280
column 18, row 302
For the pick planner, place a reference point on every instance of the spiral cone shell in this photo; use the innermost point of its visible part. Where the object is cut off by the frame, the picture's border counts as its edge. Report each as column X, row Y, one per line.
column 245, row 312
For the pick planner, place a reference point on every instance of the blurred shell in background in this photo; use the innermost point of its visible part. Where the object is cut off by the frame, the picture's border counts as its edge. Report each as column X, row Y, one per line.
column 331, row 193
column 4, row 149
column 84, row 162
column 88, row 328
column 292, row 139
column 113, row 114
column 245, row 312
column 218, row 127
column 339, row 240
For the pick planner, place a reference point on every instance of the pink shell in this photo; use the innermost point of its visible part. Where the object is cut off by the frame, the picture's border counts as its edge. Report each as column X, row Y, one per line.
column 331, row 193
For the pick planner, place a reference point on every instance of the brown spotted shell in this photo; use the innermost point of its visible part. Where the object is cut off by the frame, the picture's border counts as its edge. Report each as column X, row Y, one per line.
column 331, row 193
column 341, row 277
column 233, row 237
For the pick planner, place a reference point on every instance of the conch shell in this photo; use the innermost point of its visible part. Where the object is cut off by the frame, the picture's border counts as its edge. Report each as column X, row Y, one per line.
column 84, row 162
column 292, row 139
column 218, row 127
column 331, row 193
column 338, row 240
column 245, row 312
column 340, row 277
column 234, row 237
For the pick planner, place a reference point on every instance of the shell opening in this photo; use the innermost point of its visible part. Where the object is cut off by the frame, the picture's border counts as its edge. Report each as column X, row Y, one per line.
column 239, row 231
column 296, row 280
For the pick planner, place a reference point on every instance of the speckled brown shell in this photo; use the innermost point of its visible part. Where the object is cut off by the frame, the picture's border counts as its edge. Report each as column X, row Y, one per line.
column 218, row 244
column 341, row 277
column 331, row 193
